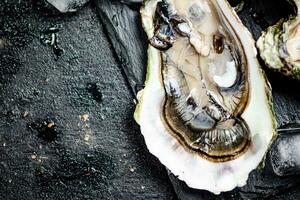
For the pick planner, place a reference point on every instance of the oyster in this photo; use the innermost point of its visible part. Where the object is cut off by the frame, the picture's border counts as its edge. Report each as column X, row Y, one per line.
column 279, row 46
column 205, row 111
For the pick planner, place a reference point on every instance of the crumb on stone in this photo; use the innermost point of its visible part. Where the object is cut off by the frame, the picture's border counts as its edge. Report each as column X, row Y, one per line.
column 50, row 124
column 33, row 157
column 25, row 114
column 84, row 117
column 132, row 169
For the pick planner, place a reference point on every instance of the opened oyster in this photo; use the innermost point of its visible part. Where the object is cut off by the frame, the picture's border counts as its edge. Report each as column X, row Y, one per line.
column 205, row 111
column 279, row 46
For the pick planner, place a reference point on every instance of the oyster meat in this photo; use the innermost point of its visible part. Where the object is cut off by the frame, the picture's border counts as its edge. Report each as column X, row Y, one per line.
column 279, row 46
column 205, row 111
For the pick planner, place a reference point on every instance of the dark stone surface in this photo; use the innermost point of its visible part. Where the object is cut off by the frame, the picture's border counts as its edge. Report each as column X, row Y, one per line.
column 66, row 126
column 48, row 147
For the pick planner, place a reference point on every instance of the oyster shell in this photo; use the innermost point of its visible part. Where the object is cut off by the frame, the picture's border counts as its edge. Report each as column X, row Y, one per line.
column 205, row 111
column 279, row 46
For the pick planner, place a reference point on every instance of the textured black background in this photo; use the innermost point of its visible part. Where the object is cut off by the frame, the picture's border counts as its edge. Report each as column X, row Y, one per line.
column 98, row 74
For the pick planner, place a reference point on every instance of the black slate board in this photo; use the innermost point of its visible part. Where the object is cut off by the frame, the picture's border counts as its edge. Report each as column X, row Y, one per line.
column 123, row 26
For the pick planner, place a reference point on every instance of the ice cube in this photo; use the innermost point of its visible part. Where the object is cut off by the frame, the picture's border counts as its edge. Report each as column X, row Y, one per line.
column 285, row 155
column 67, row 5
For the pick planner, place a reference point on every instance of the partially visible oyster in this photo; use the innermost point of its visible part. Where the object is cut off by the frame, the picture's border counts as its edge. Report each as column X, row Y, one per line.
column 205, row 111
column 279, row 46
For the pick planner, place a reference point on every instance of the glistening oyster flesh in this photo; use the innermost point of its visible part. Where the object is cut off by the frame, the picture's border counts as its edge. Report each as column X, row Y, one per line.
column 205, row 111
column 279, row 46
